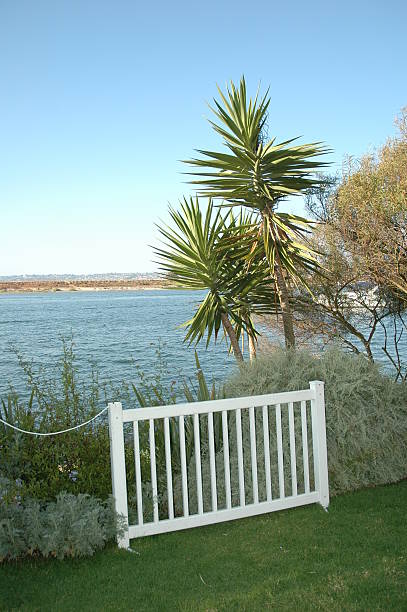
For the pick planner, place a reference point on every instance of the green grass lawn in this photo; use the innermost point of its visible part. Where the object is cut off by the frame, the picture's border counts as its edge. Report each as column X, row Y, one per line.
column 352, row 558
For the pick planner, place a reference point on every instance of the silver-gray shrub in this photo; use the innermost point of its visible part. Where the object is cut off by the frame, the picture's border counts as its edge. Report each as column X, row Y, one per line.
column 366, row 412
column 72, row 526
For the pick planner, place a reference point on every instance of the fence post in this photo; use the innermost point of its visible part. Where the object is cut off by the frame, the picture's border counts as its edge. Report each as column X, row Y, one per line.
column 319, row 442
column 118, row 468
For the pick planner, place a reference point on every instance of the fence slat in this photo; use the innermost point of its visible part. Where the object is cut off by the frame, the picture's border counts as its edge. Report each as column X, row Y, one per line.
column 168, row 467
column 212, row 462
column 253, row 455
column 226, row 459
column 266, row 442
column 304, row 436
column 153, row 471
column 184, row 475
column 293, row 456
column 139, row 495
column 198, row 470
column 280, row 457
column 240, row 456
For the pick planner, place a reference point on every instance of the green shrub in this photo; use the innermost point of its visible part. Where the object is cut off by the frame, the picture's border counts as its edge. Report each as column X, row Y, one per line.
column 72, row 526
column 366, row 411
column 77, row 462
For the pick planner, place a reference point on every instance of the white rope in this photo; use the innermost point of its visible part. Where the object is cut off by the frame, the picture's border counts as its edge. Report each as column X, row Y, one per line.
column 53, row 433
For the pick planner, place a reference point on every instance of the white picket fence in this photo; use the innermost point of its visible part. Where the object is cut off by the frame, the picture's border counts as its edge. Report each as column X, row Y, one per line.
column 266, row 412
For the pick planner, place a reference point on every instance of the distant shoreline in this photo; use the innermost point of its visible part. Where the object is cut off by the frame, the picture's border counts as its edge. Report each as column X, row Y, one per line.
column 39, row 286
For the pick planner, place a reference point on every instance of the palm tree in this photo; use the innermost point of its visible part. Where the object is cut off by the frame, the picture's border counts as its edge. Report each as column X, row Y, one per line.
column 201, row 252
column 260, row 175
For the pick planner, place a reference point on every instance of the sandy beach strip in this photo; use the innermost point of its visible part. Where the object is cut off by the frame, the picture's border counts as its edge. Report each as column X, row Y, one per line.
column 82, row 285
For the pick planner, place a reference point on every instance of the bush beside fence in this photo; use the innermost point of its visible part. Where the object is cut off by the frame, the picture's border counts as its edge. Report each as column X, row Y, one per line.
column 72, row 526
column 366, row 412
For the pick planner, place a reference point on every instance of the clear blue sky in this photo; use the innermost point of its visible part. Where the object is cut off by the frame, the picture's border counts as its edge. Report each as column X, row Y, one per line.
column 100, row 99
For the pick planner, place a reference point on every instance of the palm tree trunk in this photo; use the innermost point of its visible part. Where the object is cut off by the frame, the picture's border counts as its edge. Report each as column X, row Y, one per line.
column 232, row 337
column 286, row 311
column 251, row 341
column 282, row 292
column 252, row 347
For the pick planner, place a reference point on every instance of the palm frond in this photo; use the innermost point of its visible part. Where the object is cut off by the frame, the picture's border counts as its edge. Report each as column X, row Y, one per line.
column 210, row 251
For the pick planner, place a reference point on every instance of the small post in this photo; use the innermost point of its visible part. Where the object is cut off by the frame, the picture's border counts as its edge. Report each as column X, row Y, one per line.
column 319, row 442
column 118, row 468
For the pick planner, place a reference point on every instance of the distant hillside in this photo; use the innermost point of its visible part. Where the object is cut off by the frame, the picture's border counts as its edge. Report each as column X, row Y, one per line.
column 81, row 284
column 82, row 277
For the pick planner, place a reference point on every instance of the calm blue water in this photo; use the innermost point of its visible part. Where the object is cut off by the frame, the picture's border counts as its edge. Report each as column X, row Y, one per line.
column 116, row 330
column 113, row 329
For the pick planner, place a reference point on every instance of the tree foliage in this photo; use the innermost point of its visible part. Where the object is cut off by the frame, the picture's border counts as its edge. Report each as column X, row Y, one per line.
column 206, row 251
column 260, row 174
column 362, row 241
column 371, row 211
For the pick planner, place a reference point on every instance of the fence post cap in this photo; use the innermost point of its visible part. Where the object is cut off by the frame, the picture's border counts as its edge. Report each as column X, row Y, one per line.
column 114, row 407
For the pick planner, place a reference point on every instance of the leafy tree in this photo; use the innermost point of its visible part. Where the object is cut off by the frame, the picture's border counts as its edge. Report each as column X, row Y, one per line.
column 361, row 236
column 260, row 175
column 370, row 209
column 345, row 306
column 201, row 252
